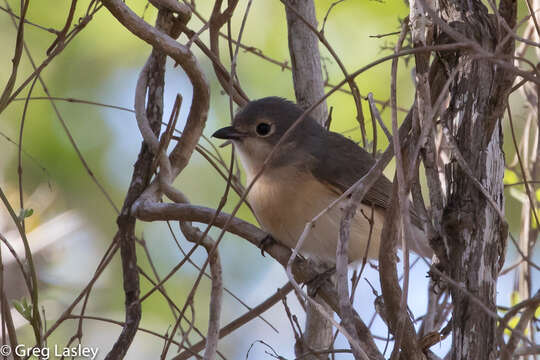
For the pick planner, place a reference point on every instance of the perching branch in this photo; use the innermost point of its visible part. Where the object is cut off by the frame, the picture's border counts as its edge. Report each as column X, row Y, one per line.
column 153, row 78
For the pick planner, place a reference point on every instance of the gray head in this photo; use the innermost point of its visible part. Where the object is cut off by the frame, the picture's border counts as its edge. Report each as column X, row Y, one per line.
column 258, row 127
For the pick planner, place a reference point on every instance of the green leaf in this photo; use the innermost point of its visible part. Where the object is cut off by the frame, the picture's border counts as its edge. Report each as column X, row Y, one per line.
column 23, row 308
column 28, row 212
column 24, row 213
column 18, row 306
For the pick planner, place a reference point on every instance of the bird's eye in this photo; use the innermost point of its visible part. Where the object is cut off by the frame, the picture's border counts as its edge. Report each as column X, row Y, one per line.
column 263, row 129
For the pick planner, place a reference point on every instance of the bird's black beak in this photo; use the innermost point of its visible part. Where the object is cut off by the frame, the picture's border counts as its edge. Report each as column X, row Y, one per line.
column 228, row 133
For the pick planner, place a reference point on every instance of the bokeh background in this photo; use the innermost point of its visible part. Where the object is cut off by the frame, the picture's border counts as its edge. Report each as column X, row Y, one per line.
column 73, row 224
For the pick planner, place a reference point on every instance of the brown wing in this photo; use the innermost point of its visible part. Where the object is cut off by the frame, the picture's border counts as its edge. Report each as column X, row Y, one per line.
column 339, row 162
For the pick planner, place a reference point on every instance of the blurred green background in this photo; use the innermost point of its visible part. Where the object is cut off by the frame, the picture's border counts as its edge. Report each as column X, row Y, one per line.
column 102, row 65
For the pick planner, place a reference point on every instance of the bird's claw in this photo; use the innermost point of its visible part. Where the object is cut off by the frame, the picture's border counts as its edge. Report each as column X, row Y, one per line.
column 266, row 242
column 318, row 281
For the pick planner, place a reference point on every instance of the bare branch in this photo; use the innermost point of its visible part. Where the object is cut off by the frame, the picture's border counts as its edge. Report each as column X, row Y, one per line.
column 155, row 70
column 305, row 57
column 301, row 269
column 240, row 321
column 394, row 300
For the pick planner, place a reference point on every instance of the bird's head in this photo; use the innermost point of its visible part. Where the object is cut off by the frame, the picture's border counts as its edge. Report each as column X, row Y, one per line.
column 258, row 127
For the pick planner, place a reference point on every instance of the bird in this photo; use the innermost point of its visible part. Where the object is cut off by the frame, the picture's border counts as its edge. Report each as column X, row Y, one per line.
column 310, row 169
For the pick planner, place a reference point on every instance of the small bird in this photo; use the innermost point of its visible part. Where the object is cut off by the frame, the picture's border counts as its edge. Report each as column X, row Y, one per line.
column 311, row 168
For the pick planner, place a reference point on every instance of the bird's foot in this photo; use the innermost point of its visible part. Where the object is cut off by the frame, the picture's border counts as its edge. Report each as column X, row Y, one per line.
column 318, row 281
column 266, row 242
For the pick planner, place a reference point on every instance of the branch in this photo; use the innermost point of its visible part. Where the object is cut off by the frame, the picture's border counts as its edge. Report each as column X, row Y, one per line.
column 530, row 305
column 229, row 84
column 240, row 321
column 201, row 94
column 306, row 41
column 308, row 88
column 153, row 70
column 305, row 57
column 395, row 300
column 216, row 292
column 302, row 270
column 4, row 98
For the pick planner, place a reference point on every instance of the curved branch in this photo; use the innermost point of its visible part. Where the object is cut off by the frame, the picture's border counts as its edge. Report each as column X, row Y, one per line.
column 162, row 44
column 217, row 20
column 201, row 92
column 301, row 269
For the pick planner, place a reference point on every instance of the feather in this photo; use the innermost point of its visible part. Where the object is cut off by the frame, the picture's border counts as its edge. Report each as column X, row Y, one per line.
column 342, row 163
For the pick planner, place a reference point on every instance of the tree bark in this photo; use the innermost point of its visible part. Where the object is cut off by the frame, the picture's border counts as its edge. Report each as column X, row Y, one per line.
column 473, row 230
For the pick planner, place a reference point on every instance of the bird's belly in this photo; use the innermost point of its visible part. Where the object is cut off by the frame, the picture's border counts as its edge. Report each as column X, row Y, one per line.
column 284, row 211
